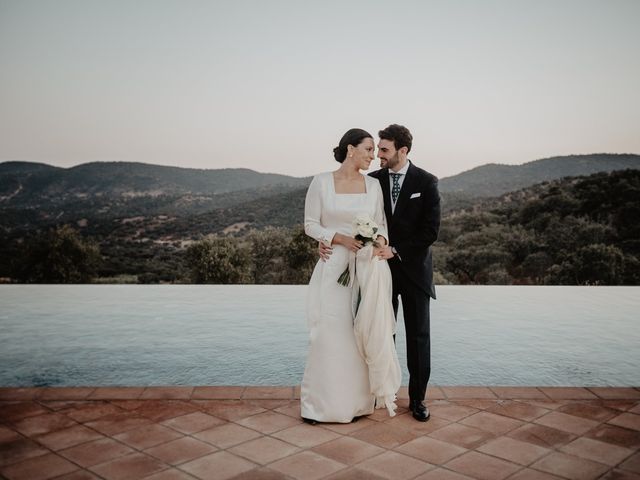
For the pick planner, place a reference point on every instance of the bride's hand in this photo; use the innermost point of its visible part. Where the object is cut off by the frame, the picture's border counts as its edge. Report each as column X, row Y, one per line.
column 350, row 243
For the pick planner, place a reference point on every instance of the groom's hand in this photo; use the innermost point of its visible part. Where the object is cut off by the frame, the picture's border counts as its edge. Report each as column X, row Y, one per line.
column 385, row 253
column 324, row 251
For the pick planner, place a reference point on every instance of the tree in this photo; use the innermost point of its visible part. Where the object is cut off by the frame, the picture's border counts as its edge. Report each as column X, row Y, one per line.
column 219, row 260
column 301, row 256
column 535, row 266
column 595, row 264
column 564, row 236
column 59, row 255
column 476, row 255
column 476, row 264
column 266, row 254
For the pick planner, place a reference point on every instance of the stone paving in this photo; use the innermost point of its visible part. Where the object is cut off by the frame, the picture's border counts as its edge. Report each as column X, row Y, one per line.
column 163, row 433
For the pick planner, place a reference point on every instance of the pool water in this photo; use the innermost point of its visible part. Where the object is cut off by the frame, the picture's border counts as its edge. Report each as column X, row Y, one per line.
column 75, row 335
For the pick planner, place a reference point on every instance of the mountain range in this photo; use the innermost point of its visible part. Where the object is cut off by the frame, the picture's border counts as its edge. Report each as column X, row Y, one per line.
column 24, row 181
column 21, row 181
column 494, row 179
column 102, row 196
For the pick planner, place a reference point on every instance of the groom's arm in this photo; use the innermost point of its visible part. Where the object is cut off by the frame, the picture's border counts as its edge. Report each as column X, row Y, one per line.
column 324, row 251
column 428, row 226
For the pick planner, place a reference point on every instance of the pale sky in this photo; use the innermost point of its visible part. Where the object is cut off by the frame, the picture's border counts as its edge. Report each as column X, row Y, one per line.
column 273, row 85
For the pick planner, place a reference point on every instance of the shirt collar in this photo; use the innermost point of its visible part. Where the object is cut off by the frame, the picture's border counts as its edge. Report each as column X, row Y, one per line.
column 403, row 170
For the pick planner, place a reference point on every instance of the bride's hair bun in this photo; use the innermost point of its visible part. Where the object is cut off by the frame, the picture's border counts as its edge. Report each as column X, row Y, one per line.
column 354, row 137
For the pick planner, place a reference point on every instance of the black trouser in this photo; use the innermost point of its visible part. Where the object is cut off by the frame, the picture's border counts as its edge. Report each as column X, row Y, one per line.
column 415, row 306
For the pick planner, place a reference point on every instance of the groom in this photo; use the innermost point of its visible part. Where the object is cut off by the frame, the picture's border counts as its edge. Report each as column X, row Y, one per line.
column 412, row 207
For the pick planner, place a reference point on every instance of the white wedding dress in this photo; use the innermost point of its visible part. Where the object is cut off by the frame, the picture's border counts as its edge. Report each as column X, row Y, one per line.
column 347, row 376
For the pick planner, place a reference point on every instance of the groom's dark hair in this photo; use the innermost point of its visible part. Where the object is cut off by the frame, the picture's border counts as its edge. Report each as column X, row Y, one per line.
column 399, row 135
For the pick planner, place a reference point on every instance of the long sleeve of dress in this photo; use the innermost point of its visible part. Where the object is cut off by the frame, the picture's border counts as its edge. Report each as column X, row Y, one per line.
column 313, row 214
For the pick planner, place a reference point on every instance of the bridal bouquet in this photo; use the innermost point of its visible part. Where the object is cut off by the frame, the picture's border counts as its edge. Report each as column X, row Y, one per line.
column 365, row 230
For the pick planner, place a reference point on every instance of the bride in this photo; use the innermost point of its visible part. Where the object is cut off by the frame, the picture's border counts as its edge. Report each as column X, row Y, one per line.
column 352, row 366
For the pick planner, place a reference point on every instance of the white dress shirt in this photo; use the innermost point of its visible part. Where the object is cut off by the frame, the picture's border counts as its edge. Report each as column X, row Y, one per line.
column 402, row 172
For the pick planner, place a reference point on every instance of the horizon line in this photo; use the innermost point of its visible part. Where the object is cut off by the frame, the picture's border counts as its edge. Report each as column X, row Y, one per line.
column 306, row 176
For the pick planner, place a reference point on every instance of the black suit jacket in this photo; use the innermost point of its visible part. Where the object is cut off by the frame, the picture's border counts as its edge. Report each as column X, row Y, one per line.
column 413, row 226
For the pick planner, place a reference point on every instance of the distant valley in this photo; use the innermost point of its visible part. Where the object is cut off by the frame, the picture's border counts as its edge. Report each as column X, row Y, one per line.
column 140, row 213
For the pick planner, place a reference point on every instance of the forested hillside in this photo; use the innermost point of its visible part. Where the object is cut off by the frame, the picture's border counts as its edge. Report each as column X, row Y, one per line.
column 572, row 231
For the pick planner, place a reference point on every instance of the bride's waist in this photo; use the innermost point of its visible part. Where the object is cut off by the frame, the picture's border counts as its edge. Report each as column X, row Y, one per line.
column 340, row 255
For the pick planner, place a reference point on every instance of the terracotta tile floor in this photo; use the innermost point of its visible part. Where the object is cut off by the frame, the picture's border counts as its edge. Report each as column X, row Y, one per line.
column 164, row 433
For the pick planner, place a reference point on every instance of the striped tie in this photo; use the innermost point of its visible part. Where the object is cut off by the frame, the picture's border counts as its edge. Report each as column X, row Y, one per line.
column 396, row 186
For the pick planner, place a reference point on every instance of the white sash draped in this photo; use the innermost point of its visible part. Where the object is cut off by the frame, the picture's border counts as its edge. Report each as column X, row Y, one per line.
column 375, row 325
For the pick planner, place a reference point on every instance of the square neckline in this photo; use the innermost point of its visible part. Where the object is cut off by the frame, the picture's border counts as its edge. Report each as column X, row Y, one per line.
column 335, row 192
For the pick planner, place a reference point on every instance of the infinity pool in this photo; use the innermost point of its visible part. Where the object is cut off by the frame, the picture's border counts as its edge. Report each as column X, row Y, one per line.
column 76, row 335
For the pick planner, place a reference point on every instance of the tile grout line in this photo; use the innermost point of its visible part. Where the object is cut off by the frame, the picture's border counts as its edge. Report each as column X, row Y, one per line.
column 49, row 410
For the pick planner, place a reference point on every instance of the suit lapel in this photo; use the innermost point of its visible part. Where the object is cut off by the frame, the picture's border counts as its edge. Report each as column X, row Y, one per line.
column 405, row 191
column 384, row 184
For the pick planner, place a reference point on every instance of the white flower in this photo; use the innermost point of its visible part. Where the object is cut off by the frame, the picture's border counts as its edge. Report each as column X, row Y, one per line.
column 364, row 226
column 365, row 230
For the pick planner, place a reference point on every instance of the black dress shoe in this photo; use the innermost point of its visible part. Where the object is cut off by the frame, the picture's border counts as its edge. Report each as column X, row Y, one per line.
column 419, row 411
column 310, row 421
